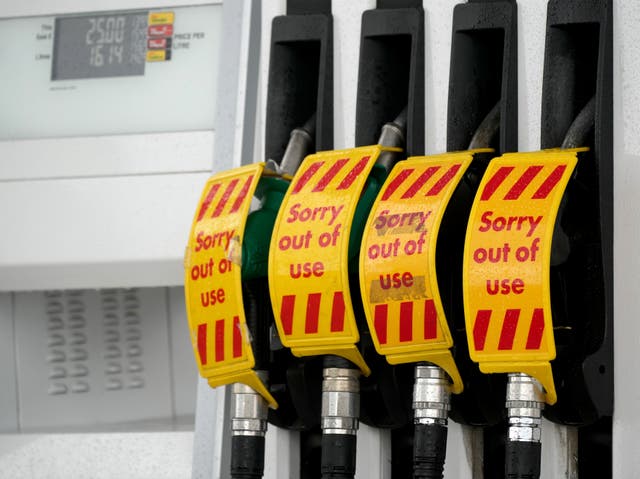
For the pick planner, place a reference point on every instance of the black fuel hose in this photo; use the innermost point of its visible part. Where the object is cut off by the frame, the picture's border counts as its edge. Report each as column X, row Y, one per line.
column 578, row 133
column 338, row 456
column 487, row 130
column 522, row 460
column 247, row 457
column 429, row 451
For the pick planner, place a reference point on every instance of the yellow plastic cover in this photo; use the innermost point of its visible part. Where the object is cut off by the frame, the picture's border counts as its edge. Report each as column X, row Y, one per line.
column 308, row 273
column 398, row 262
column 507, row 299
column 213, row 289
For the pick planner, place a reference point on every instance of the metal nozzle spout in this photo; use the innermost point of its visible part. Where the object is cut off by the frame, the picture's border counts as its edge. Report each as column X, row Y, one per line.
column 301, row 143
column 392, row 134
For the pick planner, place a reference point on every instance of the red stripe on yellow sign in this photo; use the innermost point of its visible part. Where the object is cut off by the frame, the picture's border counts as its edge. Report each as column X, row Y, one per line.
column 480, row 328
column 237, row 337
column 353, row 174
column 443, row 181
column 306, row 177
column 420, row 182
column 549, row 184
column 329, row 175
column 286, row 313
column 242, row 195
column 525, row 180
column 521, row 184
column 202, row 343
column 430, row 320
column 219, row 340
column 381, row 313
column 509, row 327
column 406, row 321
column 534, row 339
column 225, row 198
column 313, row 313
column 395, row 184
column 337, row 312
column 494, row 183
column 207, row 201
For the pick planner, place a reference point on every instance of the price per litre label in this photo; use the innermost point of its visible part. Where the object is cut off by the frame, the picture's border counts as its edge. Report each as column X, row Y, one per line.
column 308, row 274
column 507, row 255
column 398, row 262
column 213, row 288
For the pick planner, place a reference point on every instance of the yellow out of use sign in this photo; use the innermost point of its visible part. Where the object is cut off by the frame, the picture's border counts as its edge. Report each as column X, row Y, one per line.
column 213, row 289
column 308, row 273
column 398, row 262
column 507, row 254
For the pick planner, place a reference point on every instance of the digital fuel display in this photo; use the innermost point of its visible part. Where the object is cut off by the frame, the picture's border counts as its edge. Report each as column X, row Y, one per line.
column 100, row 46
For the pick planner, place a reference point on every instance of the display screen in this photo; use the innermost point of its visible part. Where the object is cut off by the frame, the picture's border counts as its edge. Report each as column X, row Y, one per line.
column 99, row 46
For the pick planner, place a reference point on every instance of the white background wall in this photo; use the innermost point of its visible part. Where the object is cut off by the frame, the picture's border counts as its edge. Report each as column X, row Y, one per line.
column 97, row 456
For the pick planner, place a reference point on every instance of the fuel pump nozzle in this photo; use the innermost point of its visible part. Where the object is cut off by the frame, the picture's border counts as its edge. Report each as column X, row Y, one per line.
column 249, row 409
column 525, row 395
column 340, row 384
column 432, row 387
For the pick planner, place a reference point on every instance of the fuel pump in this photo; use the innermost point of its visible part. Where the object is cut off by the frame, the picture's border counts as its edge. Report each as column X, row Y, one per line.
column 226, row 269
column 408, row 321
column 577, row 111
column 226, row 262
column 400, row 292
column 390, row 75
column 506, row 288
column 224, row 332
column 482, row 112
column 410, row 324
column 317, row 232
column 314, row 250
column 537, row 248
